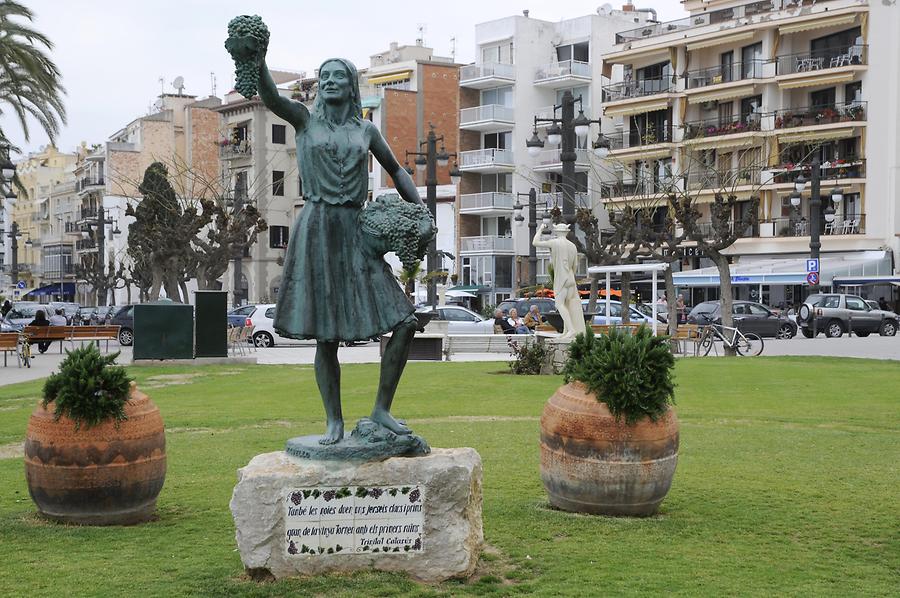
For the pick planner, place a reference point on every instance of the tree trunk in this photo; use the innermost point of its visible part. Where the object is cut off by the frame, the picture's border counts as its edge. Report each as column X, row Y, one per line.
column 592, row 301
column 157, row 275
column 128, row 293
column 726, row 297
column 670, row 305
column 626, row 297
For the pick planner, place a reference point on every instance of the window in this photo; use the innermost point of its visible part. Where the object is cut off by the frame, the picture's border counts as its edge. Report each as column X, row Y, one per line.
column 750, row 106
column 758, row 310
column 503, row 268
column 850, row 206
column 502, row 140
column 278, row 183
column 726, row 113
column 853, row 92
column 836, row 43
column 751, row 61
column 456, row 315
column 498, row 226
column 501, row 53
column 278, row 237
column 270, row 313
column 649, row 128
column 278, row 134
column 502, row 96
column 654, row 78
column 584, row 91
column 856, row 304
column 579, row 52
column 247, row 310
column 823, row 98
column 496, row 182
column 726, row 66
column 831, row 301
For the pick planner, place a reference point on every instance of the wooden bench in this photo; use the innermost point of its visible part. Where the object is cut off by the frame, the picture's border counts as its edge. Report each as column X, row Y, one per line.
column 48, row 334
column 485, row 343
column 686, row 334
column 8, row 342
column 97, row 333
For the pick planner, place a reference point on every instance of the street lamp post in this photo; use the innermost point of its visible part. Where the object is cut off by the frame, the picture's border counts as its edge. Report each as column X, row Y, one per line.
column 100, row 238
column 564, row 130
column 428, row 160
column 815, row 208
column 532, row 229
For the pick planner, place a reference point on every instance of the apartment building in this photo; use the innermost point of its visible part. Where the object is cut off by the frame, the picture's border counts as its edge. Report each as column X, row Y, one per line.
column 183, row 133
column 523, row 67
column 740, row 97
column 44, row 255
column 258, row 155
column 410, row 90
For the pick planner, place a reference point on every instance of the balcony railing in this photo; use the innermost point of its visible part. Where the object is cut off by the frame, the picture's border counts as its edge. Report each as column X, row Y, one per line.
column 826, row 58
column 707, row 18
column 737, row 71
column 797, row 226
column 636, row 89
column 715, row 127
column 486, row 70
column 87, row 213
column 491, row 200
column 564, row 68
column 488, row 243
column 487, row 112
column 85, row 245
column 805, row 116
column 723, row 179
column 550, row 157
column 639, row 137
column 235, row 150
column 547, row 201
column 90, row 181
column 486, row 157
column 839, row 168
column 57, row 272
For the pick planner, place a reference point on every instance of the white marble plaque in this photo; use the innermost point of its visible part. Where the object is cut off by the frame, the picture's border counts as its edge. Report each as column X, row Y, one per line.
column 354, row 519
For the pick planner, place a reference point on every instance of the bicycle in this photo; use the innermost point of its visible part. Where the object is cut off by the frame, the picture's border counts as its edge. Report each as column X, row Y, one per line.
column 23, row 350
column 748, row 344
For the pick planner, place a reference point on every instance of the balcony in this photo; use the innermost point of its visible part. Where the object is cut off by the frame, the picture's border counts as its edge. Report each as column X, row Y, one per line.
column 837, row 169
column 712, row 17
column 487, row 160
column 487, row 75
column 234, row 151
column 821, row 67
column 718, row 75
column 488, row 203
column 89, row 183
column 642, row 88
column 489, row 245
column 798, row 226
column 567, row 73
column 722, row 180
column 636, row 139
column 547, row 201
column 812, row 116
column 698, row 130
column 55, row 272
column 89, row 213
column 72, row 228
column 83, row 245
column 487, row 119
column 550, row 160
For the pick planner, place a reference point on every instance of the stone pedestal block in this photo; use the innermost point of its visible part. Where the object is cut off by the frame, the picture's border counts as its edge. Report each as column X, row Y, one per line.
column 419, row 515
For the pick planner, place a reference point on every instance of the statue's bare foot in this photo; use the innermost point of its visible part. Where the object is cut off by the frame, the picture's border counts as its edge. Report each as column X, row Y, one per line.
column 387, row 420
column 334, row 433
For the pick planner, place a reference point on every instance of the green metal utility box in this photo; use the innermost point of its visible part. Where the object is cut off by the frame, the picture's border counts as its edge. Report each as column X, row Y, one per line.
column 211, row 323
column 163, row 330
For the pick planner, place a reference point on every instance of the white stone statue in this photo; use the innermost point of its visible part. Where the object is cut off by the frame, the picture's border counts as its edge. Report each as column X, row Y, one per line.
column 563, row 258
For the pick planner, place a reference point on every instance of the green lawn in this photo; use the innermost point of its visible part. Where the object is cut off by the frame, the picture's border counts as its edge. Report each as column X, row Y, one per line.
column 787, row 484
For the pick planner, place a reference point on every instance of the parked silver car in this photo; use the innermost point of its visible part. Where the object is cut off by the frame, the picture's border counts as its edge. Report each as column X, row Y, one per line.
column 836, row 313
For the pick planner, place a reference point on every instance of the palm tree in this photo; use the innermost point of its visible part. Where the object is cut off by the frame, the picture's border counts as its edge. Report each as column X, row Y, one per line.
column 30, row 83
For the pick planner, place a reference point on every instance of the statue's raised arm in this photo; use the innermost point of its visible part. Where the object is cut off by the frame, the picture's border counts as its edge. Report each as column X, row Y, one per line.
column 248, row 41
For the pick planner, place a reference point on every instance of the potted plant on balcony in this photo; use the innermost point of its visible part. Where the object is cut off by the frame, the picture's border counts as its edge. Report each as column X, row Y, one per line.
column 609, row 437
column 95, row 450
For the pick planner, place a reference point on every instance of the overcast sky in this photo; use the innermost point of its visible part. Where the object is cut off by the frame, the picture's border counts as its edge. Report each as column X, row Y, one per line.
column 112, row 53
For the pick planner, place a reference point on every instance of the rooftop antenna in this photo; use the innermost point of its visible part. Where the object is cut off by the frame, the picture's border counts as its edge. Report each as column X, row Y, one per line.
column 453, row 48
column 420, row 41
column 162, row 83
column 212, row 83
column 178, row 84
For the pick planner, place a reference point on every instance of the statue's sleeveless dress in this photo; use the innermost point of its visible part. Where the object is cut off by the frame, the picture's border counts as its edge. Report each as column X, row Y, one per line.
column 333, row 287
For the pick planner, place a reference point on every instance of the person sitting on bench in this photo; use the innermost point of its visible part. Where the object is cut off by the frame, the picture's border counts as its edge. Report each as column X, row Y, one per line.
column 502, row 324
column 40, row 319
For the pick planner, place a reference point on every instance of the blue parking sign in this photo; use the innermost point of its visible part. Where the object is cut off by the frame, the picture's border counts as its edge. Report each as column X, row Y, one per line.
column 812, row 265
column 20, row 284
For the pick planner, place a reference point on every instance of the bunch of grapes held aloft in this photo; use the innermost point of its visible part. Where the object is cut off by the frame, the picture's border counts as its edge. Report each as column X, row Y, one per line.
column 393, row 224
column 248, row 38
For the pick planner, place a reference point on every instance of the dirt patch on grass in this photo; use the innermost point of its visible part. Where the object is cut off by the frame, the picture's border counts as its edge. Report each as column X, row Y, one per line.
column 163, row 380
column 474, row 419
column 12, row 451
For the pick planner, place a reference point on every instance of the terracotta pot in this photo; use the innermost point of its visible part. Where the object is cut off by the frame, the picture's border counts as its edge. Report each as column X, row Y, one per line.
column 100, row 475
column 590, row 463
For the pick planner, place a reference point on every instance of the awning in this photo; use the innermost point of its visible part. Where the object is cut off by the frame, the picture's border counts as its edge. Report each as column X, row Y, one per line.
column 719, row 40
column 789, row 270
column 458, row 294
column 371, row 102
column 821, row 134
column 640, row 153
column 68, row 288
column 725, row 141
column 390, row 78
column 815, row 80
column 722, row 94
column 816, row 22
column 470, row 288
column 636, row 108
column 858, row 281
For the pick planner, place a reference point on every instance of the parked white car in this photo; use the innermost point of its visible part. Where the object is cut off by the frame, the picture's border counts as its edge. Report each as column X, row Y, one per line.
column 615, row 313
column 264, row 334
column 461, row 320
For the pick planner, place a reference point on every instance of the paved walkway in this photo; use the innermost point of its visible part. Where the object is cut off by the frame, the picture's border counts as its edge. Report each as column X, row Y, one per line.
column 873, row 347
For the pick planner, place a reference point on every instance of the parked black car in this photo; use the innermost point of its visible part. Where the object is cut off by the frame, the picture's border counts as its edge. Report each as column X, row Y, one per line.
column 522, row 306
column 124, row 319
column 748, row 317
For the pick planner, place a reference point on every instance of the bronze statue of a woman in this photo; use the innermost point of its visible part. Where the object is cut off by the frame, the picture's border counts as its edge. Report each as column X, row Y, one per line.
column 333, row 290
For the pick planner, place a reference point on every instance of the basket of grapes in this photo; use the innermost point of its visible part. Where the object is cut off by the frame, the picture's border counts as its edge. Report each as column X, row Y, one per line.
column 391, row 224
column 248, row 39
